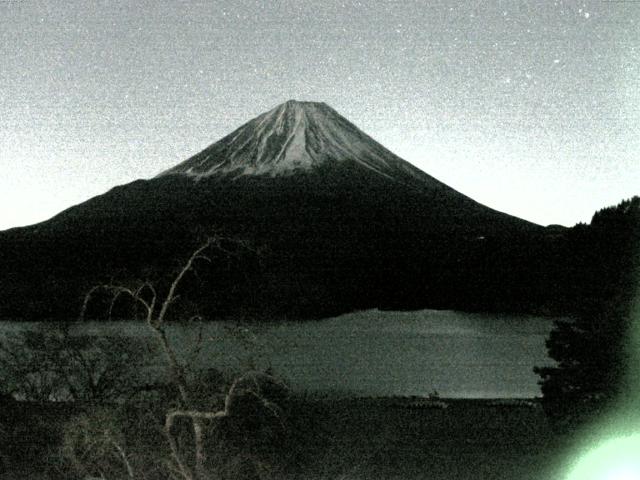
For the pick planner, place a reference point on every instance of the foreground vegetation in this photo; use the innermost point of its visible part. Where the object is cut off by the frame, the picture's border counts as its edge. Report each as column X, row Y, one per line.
column 325, row 437
column 77, row 407
column 596, row 349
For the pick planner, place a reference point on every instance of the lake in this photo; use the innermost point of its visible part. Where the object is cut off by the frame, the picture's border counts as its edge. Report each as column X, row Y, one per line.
column 377, row 353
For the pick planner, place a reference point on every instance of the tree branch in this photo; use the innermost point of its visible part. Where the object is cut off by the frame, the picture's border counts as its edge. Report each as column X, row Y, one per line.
column 174, row 285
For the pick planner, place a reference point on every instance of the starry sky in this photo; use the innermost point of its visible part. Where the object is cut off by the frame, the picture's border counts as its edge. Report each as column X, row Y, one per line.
column 530, row 107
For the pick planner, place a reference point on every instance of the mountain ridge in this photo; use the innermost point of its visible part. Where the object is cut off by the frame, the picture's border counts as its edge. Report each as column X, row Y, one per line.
column 347, row 224
column 290, row 137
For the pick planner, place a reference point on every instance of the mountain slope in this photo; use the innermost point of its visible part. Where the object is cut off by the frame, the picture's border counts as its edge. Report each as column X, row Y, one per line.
column 294, row 137
column 344, row 224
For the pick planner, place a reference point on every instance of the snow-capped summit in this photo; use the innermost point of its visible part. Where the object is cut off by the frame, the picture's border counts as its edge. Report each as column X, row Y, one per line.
column 292, row 137
column 340, row 222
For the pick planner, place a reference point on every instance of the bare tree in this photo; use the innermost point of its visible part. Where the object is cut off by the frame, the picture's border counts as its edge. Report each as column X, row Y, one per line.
column 155, row 306
column 96, row 446
column 51, row 363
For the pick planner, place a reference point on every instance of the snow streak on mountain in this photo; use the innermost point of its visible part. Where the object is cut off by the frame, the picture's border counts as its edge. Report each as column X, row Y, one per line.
column 295, row 137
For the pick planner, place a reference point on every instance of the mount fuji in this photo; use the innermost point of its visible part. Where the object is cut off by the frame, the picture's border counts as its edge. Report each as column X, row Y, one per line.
column 342, row 224
column 292, row 138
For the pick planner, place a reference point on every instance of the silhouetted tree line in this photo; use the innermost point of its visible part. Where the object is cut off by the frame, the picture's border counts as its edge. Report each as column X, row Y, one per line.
column 592, row 348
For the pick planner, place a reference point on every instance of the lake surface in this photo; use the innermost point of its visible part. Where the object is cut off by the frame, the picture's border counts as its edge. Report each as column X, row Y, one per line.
column 376, row 353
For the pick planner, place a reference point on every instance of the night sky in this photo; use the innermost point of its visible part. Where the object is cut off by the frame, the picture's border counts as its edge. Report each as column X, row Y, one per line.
column 530, row 107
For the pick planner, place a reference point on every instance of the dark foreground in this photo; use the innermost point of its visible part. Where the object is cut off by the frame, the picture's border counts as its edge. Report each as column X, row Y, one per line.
column 351, row 438
column 409, row 439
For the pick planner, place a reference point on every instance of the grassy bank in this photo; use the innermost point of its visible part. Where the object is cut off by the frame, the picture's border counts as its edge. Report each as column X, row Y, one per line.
column 331, row 437
column 404, row 438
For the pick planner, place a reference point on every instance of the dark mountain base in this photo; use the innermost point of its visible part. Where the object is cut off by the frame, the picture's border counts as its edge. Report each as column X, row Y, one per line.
column 336, row 223
column 331, row 251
